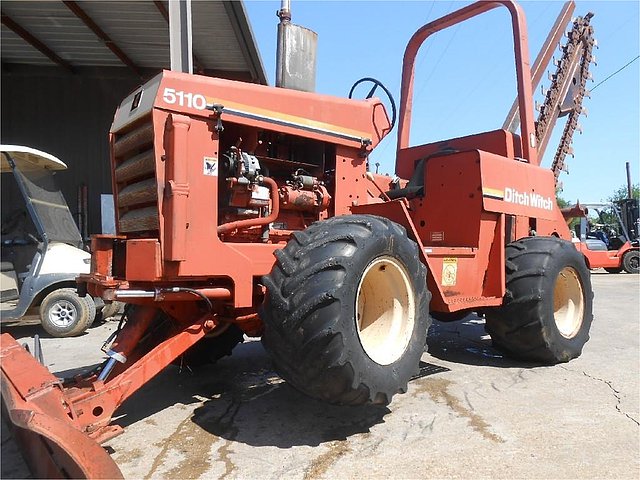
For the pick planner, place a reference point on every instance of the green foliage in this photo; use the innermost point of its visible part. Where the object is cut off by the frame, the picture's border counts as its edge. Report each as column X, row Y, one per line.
column 562, row 203
column 607, row 217
column 621, row 193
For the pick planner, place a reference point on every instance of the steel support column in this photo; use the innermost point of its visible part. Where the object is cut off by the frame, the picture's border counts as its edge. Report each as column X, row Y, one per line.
column 180, row 39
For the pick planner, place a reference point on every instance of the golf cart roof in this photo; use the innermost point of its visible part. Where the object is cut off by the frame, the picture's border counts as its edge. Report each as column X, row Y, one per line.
column 28, row 158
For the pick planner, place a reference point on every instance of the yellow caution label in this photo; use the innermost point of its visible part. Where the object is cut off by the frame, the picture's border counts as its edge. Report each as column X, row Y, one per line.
column 449, row 271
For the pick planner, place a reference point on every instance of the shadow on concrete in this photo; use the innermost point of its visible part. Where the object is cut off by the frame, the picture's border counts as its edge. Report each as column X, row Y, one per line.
column 277, row 415
column 33, row 327
column 25, row 330
column 73, row 372
column 246, row 401
column 12, row 464
column 241, row 398
column 466, row 341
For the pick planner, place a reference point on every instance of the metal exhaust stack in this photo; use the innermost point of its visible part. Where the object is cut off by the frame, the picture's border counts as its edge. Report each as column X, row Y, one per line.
column 296, row 53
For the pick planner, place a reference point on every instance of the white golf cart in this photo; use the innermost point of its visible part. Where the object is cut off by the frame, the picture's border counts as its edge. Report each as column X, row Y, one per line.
column 41, row 247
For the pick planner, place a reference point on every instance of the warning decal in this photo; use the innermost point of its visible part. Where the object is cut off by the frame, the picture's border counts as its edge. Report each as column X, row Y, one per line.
column 210, row 165
column 449, row 271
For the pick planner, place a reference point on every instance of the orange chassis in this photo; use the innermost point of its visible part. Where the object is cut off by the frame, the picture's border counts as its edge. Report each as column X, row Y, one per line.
column 176, row 247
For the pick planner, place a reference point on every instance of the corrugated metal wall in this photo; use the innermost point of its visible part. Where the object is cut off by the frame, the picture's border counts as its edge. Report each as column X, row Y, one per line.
column 68, row 115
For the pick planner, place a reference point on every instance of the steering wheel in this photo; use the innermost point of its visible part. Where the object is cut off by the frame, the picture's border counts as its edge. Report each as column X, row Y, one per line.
column 376, row 84
column 32, row 238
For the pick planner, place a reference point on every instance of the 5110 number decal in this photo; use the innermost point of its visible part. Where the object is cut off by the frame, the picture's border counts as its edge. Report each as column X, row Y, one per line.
column 191, row 100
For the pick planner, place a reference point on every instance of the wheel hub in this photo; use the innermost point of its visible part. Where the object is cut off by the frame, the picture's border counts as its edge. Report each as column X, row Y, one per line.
column 568, row 302
column 385, row 310
column 62, row 314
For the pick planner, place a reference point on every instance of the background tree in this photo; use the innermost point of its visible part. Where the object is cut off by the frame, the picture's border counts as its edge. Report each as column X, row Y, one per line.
column 562, row 203
column 621, row 193
column 606, row 216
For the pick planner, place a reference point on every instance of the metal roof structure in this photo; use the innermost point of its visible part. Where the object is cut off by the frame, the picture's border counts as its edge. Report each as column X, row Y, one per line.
column 132, row 34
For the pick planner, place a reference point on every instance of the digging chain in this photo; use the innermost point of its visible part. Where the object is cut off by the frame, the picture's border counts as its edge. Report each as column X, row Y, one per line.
column 580, row 43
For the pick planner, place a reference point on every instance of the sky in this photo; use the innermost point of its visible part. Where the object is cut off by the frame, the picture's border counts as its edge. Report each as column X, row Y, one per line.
column 465, row 75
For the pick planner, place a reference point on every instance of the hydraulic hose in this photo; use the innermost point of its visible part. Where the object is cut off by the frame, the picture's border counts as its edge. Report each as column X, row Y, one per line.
column 192, row 291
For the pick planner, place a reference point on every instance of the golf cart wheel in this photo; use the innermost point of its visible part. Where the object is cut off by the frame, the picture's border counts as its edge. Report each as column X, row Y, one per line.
column 631, row 261
column 547, row 309
column 65, row 314
column 346, row 310
column 613, row 269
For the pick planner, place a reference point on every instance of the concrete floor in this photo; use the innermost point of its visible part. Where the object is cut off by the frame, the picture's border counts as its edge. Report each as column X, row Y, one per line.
column 480, row 416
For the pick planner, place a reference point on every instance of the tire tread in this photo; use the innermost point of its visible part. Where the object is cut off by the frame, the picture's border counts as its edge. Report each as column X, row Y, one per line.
column 524, row 325
column 302, row 331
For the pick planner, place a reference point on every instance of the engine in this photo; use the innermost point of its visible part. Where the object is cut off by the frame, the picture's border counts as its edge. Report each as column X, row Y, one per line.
column 264, row 197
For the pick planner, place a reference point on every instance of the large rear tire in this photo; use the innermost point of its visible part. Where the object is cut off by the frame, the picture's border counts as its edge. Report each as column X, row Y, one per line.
column 547, row 310
column 347, row 310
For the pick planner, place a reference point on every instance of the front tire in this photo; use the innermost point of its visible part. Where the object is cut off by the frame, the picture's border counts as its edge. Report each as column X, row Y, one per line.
column 547, row 309
column 613, row 269
column 346, row 311
column 631, row 261
column 65, row 314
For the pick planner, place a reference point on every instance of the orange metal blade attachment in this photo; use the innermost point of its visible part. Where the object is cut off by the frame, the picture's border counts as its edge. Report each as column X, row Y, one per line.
column 60, row 427
column 43, row 421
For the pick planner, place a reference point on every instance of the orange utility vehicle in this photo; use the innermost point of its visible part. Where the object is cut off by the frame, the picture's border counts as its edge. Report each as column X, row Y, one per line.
column 248, row 209
column 612, row 242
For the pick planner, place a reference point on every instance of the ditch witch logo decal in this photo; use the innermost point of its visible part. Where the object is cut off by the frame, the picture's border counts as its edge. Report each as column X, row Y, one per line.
column 526, row 199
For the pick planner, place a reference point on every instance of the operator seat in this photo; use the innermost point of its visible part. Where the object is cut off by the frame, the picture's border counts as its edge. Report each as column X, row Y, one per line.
column 415, row 187
column 8, row 283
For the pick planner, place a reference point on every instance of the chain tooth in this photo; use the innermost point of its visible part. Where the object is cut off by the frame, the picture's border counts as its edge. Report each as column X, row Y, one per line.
column 581, row 33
